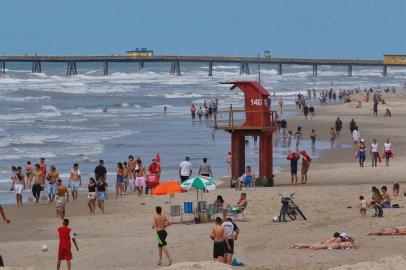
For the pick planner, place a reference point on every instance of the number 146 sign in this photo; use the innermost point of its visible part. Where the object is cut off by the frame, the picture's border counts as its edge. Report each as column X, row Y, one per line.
column 259, row 102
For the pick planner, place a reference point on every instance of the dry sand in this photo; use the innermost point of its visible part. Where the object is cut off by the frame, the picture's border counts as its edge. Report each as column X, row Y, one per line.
column 123, row 238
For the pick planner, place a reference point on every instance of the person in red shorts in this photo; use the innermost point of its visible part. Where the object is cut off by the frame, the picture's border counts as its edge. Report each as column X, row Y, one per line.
column 64, row 251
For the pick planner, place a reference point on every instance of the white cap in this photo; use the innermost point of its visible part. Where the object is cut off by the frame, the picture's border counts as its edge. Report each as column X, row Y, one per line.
column 362, row 140
column 344, row 235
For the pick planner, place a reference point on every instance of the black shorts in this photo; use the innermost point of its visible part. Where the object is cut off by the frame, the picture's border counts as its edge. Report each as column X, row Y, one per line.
column 161, row 237
column 231, row 249
column 218, row 249
column 293, row 170
column 183, row 178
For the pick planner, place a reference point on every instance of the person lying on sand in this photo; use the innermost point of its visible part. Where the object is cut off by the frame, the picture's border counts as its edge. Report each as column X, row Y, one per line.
column 334, row 245
column 395, row 231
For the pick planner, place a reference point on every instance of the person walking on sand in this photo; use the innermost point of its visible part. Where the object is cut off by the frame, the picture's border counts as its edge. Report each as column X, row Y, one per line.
column 352, row 125
column 375, row 108
column 75, row 181
column 293, row 157
column 338, row 126
column 312, row 112
column 160, row 223
column 387, row 150
column 140, row 177
column 119, row 180
column 218, row 235
column 363, row 206
column 126, row 176
column 185, row 169
column 18, row 186
column 66, row 235
column 101, row 193
column 356, row 137
column 361, row 152
column 280, row 102
column 205, row 169
column 313, row 138
column 305, row 166
column 305, row 111
column 374, row 153
column 229, row 159
column 62, row 197
column 298, row 136
column 28, row 174
column 43, row 167
column 100, row 171
column 3, row 215
column 38, row 184
column 91, row 196
column 52, row 177
column 232, row 232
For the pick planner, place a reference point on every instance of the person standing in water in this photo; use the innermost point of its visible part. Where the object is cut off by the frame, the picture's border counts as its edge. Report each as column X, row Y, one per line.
column 75, row 181
column 339, row 126
column 160, row 223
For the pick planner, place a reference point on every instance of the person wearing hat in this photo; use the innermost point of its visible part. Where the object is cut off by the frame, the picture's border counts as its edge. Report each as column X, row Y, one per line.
column 305, row 166
column 361, row 152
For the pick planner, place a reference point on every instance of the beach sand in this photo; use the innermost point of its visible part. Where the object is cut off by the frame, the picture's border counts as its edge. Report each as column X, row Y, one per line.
column 123, row 237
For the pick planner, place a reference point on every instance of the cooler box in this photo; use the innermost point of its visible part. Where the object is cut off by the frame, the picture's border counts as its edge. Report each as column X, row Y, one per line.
column 152, row 180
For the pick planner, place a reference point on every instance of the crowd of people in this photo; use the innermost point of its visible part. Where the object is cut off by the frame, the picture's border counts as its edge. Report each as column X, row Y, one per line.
column 206, row 111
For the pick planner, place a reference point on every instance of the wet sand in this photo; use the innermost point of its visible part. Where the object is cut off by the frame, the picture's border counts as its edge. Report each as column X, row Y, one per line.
column 123, row 238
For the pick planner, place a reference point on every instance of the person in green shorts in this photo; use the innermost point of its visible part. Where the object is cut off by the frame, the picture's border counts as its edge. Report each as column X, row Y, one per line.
column 160, row 223
column 3, row 214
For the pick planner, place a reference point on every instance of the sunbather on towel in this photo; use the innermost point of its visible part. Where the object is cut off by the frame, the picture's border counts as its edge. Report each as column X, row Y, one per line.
column 395, row 231
column 334, row 243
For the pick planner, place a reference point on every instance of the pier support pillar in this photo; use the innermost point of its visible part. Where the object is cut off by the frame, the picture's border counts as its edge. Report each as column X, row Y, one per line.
column 349, row 70
column 280, row 69
column 2, row 67
column 175, row 68
column 385, row 70
column 314, row 70
column 140, row 65
column 36, row 67
column 244, row 68
column 210, row 69
column 71, row 68
column 105, row 68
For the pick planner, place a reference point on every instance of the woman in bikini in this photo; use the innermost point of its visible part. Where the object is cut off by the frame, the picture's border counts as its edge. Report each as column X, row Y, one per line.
column 395, row 231
column 91, row 196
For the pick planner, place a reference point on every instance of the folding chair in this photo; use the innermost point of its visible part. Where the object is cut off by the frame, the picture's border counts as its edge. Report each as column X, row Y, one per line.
column 202, row 209
column 176, row 211
column 188, row 208
column 236, row 214
column 212, row 211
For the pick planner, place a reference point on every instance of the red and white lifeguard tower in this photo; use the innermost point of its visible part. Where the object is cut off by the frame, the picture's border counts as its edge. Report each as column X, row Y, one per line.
column 256, row 119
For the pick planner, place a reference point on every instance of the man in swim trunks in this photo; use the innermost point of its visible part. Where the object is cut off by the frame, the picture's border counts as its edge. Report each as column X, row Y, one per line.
column 232, row 232
column 52, row 177
column 160, row 223
column 64, row 251
column 218, row 235
column 43, row 167
column 37, row 187
column 75, row 181
column 18, row 185
column 3, row 215
column 62, row 197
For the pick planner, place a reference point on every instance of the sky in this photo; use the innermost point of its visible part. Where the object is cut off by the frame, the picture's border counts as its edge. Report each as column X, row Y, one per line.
column 288, row 28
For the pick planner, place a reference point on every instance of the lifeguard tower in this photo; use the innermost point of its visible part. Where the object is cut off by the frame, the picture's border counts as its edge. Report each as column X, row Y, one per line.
column 256, row 119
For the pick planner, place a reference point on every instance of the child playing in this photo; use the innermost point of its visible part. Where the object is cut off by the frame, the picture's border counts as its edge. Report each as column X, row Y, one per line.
column 333, row 136
column 363, row 206
column 396, row 189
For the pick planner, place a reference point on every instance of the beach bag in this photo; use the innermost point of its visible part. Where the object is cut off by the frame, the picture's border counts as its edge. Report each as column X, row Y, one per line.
column 236, row 262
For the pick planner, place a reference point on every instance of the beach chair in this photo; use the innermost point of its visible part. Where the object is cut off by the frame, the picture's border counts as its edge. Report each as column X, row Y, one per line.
column 176, row 211
column 237, row 213
column 212, row 211
column 188, row 208
column 202, row 209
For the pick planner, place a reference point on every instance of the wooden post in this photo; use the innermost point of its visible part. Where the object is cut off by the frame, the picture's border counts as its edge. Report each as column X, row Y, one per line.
column 385, row 70
column 349, row 70
column 280, row 69
column 314, row 70
column 210, row 69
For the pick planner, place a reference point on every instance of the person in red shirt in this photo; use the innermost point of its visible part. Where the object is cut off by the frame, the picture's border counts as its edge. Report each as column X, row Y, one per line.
column 64, row 251
column 154, row 168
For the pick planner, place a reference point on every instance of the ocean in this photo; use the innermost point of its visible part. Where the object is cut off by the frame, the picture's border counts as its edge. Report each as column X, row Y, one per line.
column 62, row 118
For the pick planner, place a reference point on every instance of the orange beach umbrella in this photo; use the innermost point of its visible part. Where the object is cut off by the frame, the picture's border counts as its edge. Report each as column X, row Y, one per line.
column 167, row 188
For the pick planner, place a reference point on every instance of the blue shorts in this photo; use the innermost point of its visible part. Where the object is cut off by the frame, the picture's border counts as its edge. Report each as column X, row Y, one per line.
column 120, row 179
column 101, row 196
column 75, row 186
column 51, row 188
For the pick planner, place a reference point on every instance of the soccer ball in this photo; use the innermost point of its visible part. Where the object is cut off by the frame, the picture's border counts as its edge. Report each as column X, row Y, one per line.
column 44, row 248
column 275, row 219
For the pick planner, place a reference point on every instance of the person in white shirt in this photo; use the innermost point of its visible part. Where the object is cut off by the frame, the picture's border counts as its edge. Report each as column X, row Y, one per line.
column 356, row 136
column 374, row 153
column 232, row 232
column 185, row 170
column 387, row 149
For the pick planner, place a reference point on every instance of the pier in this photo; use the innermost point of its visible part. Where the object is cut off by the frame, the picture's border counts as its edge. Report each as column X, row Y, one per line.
column 72, row 62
